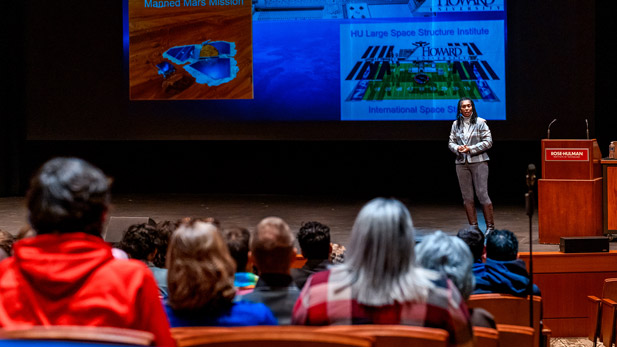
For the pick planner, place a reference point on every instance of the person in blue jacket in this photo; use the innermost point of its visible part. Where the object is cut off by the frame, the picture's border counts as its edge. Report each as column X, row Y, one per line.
column 503, row 271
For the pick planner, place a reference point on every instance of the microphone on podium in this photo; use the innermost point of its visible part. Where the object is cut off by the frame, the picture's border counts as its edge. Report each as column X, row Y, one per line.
column 587, row 125
column 548, row 131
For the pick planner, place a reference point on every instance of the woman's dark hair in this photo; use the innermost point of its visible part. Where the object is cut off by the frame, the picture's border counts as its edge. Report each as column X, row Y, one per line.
column 68, row 195
column 459, row 116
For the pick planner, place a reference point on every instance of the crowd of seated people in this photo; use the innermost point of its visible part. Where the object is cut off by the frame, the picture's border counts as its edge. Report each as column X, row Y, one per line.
column 201, row 281
column 381, row 283
column 501, row 271
column 192, row 272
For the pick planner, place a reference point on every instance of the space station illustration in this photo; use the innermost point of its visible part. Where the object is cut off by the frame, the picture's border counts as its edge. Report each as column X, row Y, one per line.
column 422, row 72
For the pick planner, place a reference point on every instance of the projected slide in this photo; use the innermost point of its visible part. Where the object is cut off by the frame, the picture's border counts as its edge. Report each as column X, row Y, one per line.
column 320, row 60
column 408, row 71
column 190, row 49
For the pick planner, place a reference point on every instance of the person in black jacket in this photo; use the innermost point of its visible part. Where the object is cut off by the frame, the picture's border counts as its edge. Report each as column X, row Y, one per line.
column 314, row 240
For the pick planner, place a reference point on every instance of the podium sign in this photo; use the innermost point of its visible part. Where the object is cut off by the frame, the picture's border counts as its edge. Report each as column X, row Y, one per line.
column 570, row 191
column 566, row 154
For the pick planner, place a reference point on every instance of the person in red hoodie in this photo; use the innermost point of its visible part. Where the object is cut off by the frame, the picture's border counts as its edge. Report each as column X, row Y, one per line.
column 67, row 275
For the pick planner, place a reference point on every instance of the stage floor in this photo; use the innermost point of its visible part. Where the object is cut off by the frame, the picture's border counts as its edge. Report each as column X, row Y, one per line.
column 337, row 212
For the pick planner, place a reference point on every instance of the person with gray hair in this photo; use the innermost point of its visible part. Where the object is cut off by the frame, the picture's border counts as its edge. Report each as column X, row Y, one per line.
column 380, row 283
column 451, row 256
column 272, row 251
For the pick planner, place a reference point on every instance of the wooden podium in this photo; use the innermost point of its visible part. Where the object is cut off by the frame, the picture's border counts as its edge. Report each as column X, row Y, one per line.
column 570, row 191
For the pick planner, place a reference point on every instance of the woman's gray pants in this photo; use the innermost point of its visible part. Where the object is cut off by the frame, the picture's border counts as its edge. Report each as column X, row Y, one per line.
column 473, row 177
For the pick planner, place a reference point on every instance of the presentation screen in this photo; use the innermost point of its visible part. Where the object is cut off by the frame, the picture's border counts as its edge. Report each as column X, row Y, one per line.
column 317, row 60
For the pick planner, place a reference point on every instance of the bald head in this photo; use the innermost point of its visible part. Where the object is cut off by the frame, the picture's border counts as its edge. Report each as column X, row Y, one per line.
column 272, row 247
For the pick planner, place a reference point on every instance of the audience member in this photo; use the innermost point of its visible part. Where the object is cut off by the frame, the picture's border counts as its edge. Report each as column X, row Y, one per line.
column 6, row 244
column 503, row 271
column 164, row 231
column 66, row 275
column 452, row 257
column 201, row 290
column 237, row 240
column 140, row 242
column 474, row 238
column 272, row 251
column 379, row 283
column 314, row 240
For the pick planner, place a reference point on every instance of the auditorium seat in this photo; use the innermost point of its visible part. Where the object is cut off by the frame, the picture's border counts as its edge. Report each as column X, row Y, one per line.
column 485, row 337
column 185, row 332
column 609, row 319
column 512, row 310
column 188, row 332
column 609, row 291
column 273, row 336
column 515, row 335
column 107, row 335
column 393, row 335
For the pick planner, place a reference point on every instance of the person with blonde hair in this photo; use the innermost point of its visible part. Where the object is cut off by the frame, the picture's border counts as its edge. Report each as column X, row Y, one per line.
column 272, row 251
column 201, row 281
column 380, row 283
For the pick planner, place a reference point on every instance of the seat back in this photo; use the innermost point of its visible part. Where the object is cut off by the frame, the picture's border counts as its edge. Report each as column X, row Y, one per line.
column 274, row 337
column 609, row 319
column 509, row 309
column 609, row 291
column 80, row 333
column 485, row 337
column 185, row 332
column 515, row 335
column 393, row 335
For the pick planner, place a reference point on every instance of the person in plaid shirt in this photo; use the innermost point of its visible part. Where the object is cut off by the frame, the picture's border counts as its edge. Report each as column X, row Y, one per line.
column 379, row 283
column 470, row 138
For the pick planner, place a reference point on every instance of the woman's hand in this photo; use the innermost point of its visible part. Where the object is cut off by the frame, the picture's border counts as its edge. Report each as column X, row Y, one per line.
column 463, row 149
